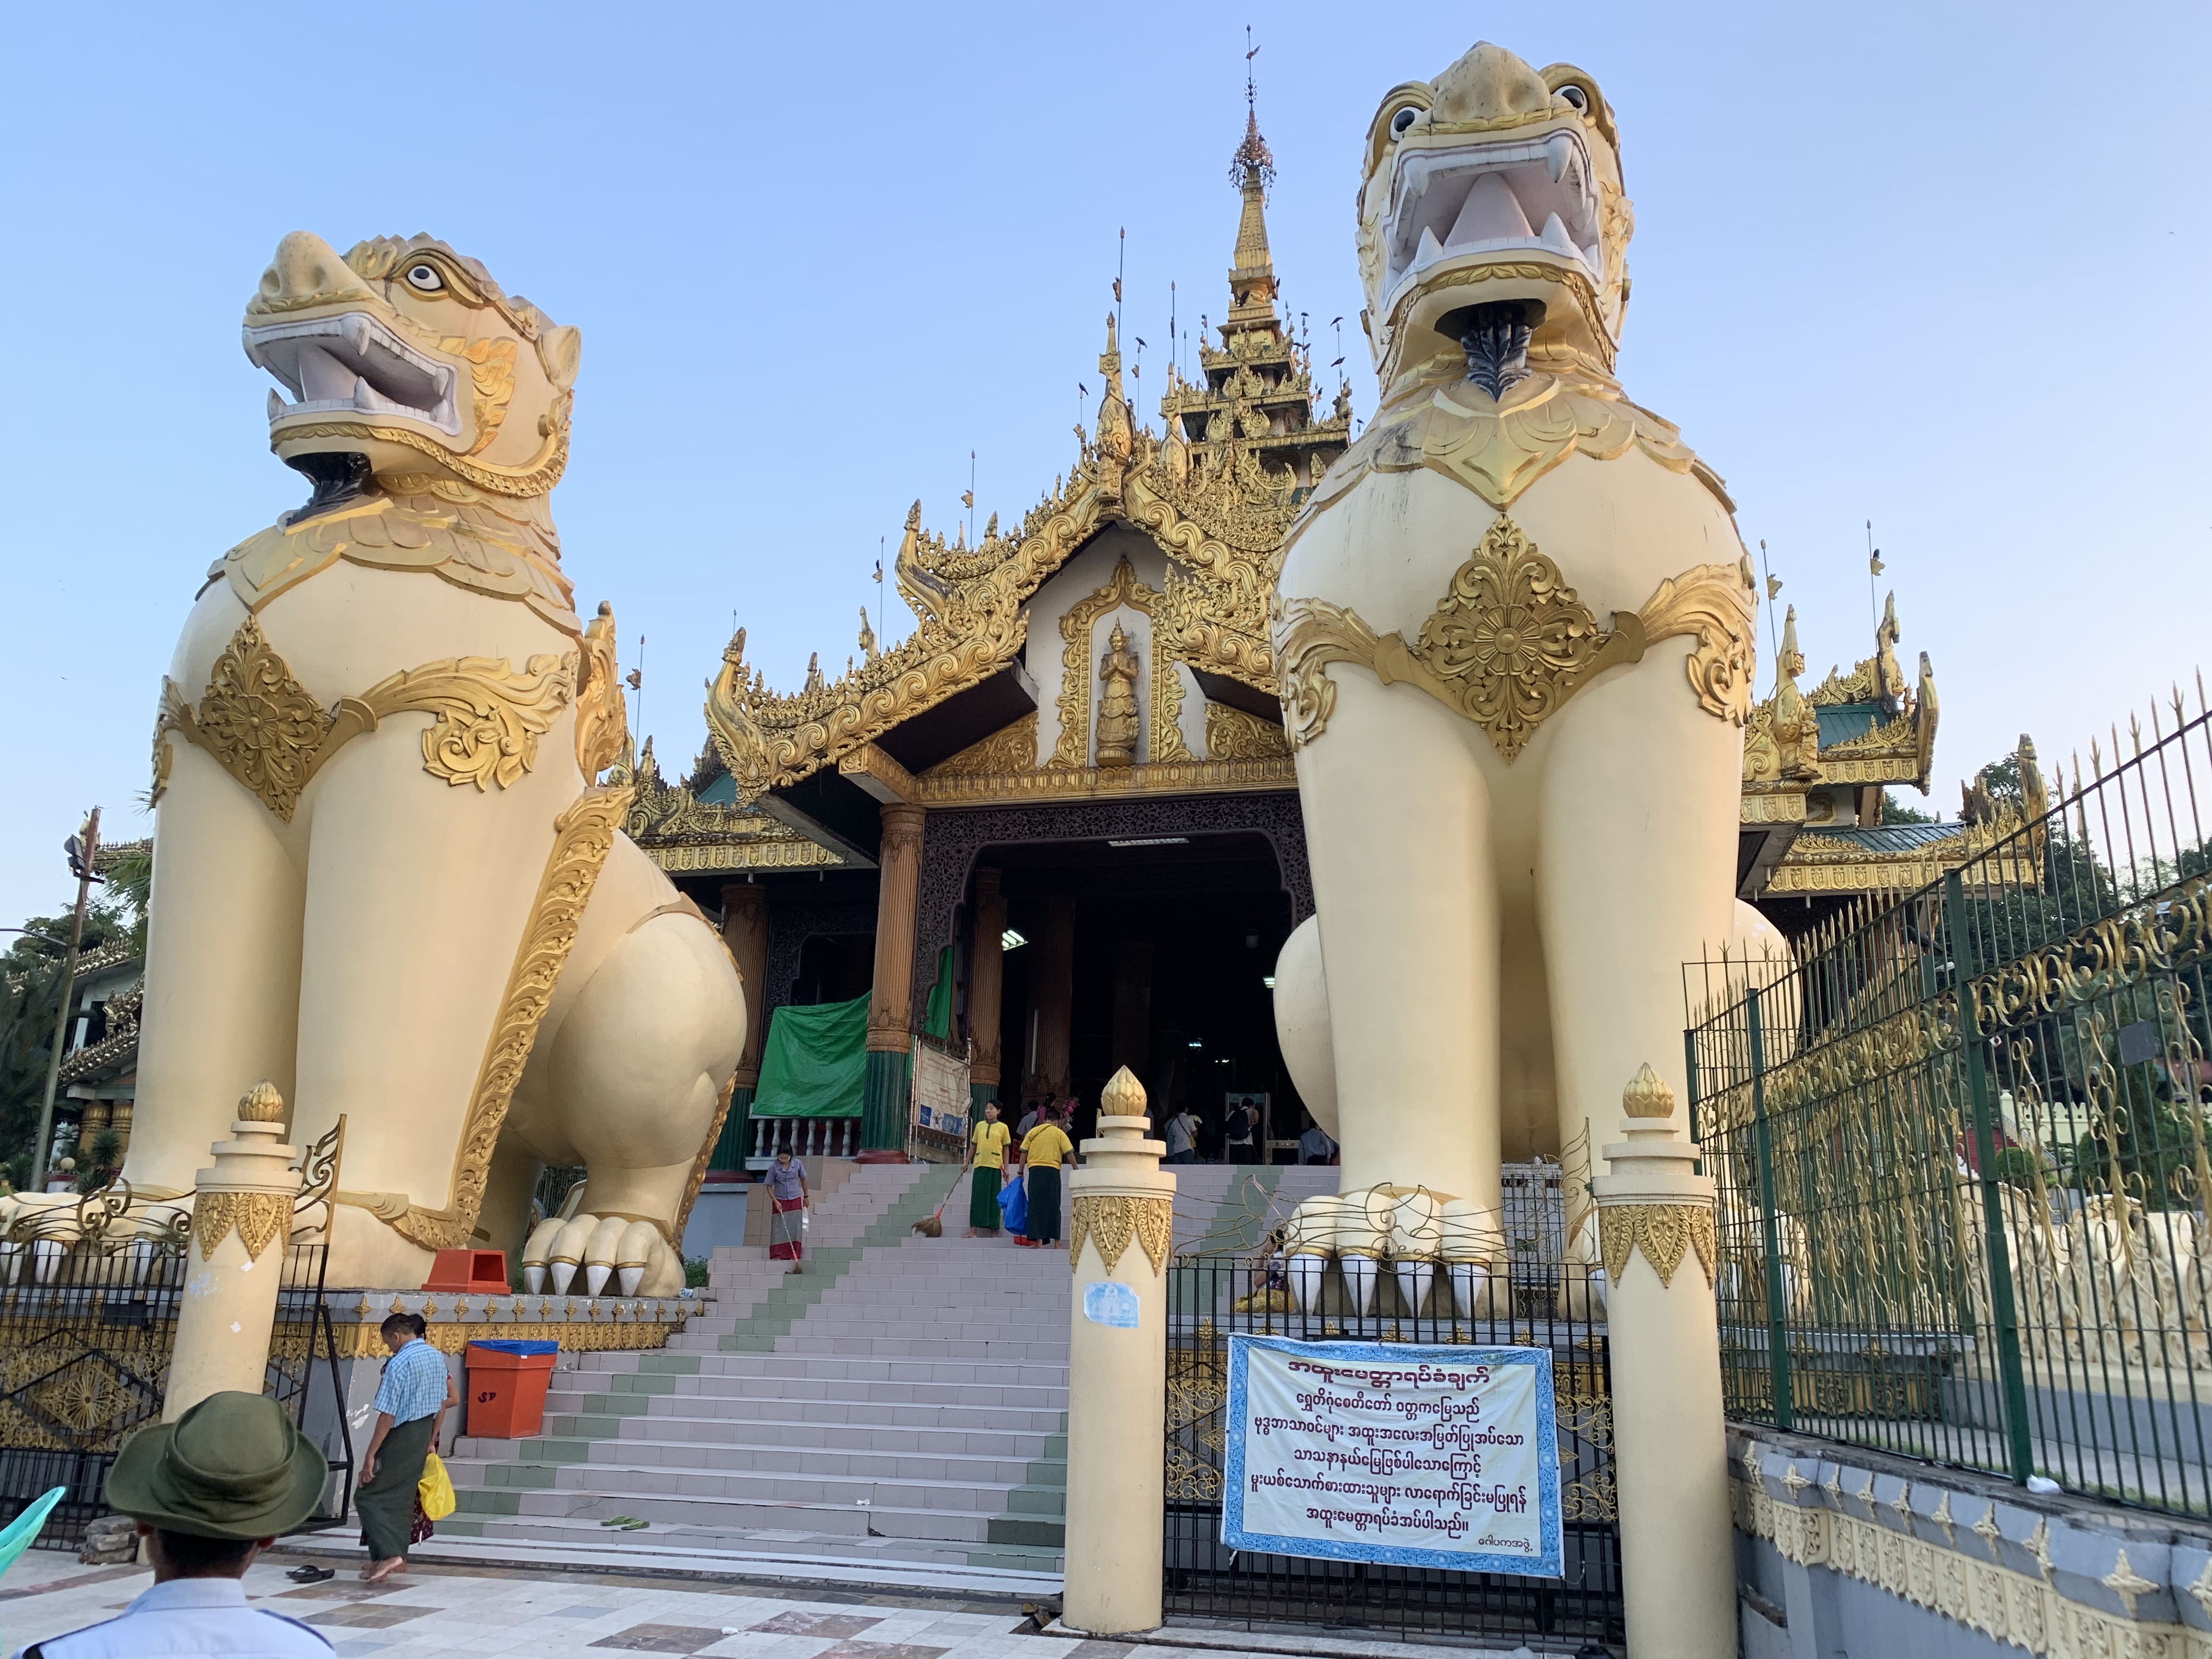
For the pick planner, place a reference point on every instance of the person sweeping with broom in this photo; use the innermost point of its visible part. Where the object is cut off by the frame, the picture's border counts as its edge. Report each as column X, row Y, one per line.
column 988, row 1142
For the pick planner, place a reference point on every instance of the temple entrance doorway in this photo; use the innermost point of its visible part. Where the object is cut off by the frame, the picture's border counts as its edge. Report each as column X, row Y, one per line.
column 1153, row 953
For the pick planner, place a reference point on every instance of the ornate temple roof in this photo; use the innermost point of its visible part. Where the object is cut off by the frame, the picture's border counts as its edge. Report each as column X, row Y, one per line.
column 1215, row 491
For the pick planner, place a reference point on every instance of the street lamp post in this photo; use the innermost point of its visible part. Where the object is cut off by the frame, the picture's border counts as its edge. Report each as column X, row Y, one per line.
column 83, row 846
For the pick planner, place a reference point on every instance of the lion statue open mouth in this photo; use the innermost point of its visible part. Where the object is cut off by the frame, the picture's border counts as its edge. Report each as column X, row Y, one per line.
column 1495, row 185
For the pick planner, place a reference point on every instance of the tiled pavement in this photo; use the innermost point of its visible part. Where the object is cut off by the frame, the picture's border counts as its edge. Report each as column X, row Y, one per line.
column 440, row 1613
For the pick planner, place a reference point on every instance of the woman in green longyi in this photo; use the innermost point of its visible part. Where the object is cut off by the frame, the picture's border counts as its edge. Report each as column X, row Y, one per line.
column 989, row 1140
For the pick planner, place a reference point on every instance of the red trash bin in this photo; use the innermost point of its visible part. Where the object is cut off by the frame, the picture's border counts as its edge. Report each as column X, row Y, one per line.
column 506, row 1380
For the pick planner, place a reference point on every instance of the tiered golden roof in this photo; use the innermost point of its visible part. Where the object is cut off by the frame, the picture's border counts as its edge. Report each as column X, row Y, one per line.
column 1215, row 491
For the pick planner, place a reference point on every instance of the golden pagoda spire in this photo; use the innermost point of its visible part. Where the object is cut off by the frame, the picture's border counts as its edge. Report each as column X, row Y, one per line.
column 1252, row 169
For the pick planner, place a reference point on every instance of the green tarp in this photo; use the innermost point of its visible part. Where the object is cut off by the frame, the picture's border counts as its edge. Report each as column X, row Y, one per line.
column 815, row 1063
column 937, row 1019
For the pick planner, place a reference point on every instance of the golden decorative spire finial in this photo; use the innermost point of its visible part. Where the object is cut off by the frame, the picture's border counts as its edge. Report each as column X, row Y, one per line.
column 1647, row 1095
column 1123, row 1095
column 261, row 1104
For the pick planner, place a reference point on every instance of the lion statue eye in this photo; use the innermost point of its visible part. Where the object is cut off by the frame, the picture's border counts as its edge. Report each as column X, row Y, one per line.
column 1576, row 96
column 425, row 279
column 1404, row 118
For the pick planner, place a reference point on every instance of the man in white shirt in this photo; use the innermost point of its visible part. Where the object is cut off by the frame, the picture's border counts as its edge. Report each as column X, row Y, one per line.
column 1182, row 1136
column 209, row 1492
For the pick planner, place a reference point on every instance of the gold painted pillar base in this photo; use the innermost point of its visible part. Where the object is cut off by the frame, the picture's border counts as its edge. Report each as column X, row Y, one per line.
column 234, row 1260
column 1670, row 1447
column 1119, row 1238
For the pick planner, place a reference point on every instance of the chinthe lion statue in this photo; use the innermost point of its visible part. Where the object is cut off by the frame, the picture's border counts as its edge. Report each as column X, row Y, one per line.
column 387, row 877
column 1517, row 633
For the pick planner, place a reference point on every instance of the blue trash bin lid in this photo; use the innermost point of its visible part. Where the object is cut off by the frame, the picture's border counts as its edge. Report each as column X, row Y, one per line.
column 514, row 1345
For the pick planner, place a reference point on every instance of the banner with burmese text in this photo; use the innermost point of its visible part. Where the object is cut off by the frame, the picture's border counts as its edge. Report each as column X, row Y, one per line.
column 1396, row 1453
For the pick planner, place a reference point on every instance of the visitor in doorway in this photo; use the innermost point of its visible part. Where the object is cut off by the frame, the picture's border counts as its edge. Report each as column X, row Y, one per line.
column 989, row 1141
column 1045, row 1149
column 1182, row 1136
column 1240, row 1135
column 1315, row 1146
column 787, row 1204
column 409, row 1400
column 1029, row 1114
column 209, row 1492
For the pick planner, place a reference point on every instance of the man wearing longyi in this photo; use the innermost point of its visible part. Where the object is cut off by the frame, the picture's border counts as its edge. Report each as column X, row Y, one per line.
column 209, row 1492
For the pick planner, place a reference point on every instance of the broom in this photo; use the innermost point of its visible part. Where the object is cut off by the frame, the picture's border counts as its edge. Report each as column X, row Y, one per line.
column 932, row 1224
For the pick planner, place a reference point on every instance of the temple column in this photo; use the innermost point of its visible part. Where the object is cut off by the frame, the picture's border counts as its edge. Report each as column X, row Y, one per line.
column 883, row 1110
column 1052, row 994
column 987, row 978
column 745, row 930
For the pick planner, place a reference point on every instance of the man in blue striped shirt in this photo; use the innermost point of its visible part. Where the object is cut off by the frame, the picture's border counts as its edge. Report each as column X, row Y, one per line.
column 416, row 1387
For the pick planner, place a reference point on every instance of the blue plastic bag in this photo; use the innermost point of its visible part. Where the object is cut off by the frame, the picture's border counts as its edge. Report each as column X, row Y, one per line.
column 1014, row 1204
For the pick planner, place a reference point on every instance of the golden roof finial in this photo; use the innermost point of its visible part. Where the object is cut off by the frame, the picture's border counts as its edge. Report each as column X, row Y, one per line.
column 814, row 671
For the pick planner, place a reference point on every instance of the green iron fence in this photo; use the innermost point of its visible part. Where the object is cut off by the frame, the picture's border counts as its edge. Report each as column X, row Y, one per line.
column 1961, row 1139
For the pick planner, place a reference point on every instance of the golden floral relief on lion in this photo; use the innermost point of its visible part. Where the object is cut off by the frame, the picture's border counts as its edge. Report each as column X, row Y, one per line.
column 267, row 732
column 1510, row 642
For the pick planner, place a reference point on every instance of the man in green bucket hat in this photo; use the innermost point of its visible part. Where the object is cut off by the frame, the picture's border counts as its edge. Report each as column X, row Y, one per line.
column 210, row 1491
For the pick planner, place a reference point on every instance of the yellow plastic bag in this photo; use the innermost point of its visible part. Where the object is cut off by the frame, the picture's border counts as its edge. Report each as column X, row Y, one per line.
column 435, row 1491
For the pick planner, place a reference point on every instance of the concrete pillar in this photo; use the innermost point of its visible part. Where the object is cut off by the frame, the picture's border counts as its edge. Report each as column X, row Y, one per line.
column 745, row 930
column 234, row 1260
column 1120, row 1225
column 884, row 1112
column 1670, row 1449
column 987, row 974
column 1052, row 993
column 1133, row 1004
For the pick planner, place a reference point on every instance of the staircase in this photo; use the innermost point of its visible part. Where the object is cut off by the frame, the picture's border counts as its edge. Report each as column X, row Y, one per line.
column 902, row 1400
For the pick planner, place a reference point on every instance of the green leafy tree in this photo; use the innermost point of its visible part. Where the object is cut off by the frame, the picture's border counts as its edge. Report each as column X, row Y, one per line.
column 30, row 997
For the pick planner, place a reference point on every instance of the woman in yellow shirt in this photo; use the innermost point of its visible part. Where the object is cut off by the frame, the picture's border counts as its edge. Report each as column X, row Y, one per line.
column 1044, row 1149
column 989, row 1139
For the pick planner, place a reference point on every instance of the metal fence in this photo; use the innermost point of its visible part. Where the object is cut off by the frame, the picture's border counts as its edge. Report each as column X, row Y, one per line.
column 89, row 1303
column 1961, row 1139
column 1212, row 1296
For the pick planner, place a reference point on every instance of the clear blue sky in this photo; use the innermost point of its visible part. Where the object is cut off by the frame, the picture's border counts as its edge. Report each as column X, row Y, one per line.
column 1939, row 266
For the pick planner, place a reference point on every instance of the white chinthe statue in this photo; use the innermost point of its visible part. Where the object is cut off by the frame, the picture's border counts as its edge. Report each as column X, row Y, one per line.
column 387, row 877
column 1517, row 639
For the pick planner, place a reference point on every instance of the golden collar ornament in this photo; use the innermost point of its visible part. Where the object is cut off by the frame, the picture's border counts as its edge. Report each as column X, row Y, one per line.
column 1510, row 642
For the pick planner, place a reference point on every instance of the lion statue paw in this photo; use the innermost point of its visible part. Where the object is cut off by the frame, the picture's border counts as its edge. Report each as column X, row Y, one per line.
column 635, row 1254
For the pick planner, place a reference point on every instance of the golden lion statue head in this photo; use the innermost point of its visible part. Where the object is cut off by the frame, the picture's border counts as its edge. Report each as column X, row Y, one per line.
column 407, row 355
column 1494, row 182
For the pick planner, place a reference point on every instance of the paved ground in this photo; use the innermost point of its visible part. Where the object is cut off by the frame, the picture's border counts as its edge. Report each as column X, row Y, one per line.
column 442, row 1612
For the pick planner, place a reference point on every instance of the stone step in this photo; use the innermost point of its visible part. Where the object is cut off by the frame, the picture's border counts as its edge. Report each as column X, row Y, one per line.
column 711, row 1416
column 783, row 1540
column 804, row 1474
column 750, row 1434
column 879, row 1514
column 837, row 1368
